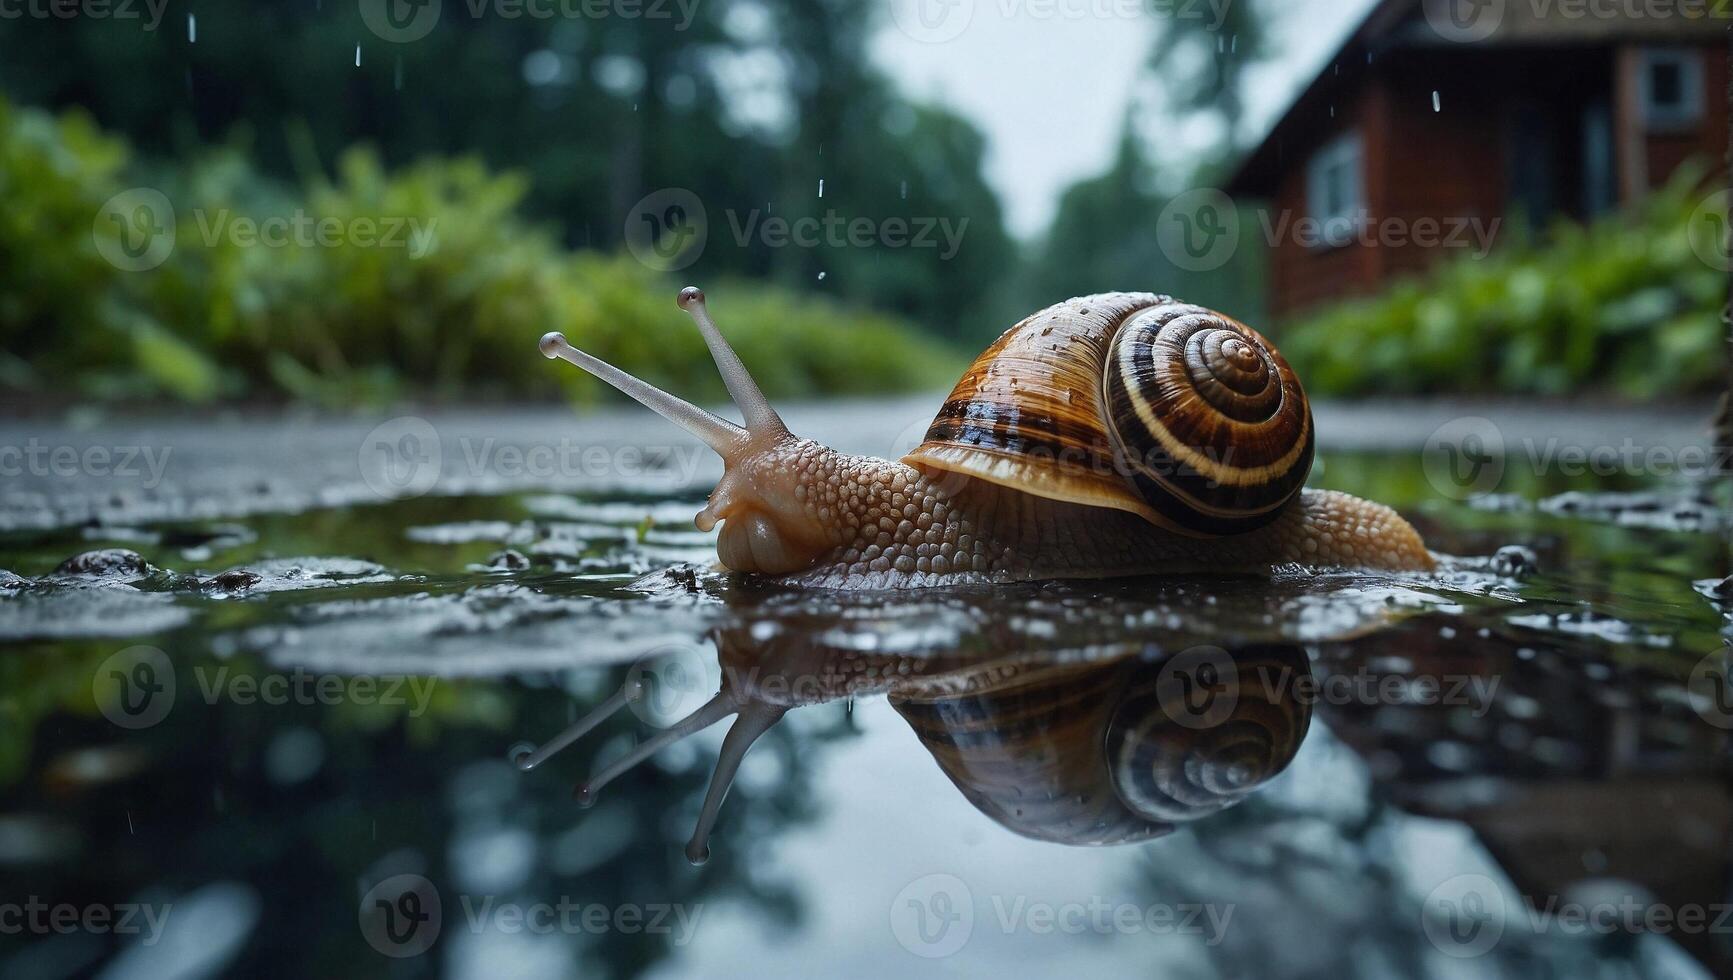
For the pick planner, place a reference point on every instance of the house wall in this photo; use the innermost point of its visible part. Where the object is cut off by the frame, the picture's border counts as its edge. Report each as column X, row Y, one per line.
column 1434, row 171
column 1303, row 275
column 1663, row 152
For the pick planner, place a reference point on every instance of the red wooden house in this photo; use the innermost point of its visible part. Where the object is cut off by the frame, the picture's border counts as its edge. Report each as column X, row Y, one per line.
column 1439, row 114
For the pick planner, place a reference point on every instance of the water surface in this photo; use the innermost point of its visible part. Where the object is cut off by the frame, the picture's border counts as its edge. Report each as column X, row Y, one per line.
column 286, row 718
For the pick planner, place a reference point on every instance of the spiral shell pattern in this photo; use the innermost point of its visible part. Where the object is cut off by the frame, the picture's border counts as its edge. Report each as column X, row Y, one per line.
column 1208, row 420
column 1168, row 770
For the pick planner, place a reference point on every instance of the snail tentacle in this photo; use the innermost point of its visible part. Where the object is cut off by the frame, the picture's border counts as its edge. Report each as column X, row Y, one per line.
column 713, row 711
column 718, row 433
column 761, row 418
column 755, row 719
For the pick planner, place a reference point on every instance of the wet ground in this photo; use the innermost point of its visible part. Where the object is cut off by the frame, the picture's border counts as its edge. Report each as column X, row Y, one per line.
column 272, row 685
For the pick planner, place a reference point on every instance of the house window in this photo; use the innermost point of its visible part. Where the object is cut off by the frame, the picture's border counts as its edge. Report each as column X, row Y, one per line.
column 1335, row 195
column 1670, row 85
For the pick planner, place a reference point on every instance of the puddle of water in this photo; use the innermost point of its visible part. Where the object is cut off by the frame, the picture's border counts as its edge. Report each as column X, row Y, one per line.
column 300, row 726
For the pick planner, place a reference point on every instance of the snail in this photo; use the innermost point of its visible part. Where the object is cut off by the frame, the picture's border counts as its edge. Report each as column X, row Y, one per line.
column 1074, row 747
column 1108, row 435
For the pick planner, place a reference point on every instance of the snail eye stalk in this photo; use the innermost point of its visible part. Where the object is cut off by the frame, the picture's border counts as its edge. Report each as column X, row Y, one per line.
column 719, row 434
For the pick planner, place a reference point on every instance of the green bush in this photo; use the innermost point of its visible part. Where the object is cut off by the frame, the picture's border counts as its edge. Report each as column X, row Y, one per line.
column 1623, row 304
column 354, row 322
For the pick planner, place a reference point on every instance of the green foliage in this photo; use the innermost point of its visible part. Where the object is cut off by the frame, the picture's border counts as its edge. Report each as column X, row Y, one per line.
column 747, row 104
column 452, row 308
column 1623, row 304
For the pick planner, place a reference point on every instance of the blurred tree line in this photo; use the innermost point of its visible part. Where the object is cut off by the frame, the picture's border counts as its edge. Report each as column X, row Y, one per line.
column 750, row 104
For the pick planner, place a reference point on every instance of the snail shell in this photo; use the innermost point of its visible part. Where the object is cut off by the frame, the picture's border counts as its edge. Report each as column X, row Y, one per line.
column 1170, row 770
column 1134, row 401
column 1099, row 753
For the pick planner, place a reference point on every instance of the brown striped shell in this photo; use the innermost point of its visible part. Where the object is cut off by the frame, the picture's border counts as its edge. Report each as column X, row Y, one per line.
column 1111, row 753
column 1134, row 401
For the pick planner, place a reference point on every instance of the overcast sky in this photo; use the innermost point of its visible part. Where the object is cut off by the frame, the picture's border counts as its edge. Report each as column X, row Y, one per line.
column 1049, row 80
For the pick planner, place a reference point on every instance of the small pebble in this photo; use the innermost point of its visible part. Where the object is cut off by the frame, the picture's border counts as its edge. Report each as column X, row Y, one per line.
column 233, row 580
column 105, row 563
column 1514, row 561
column 509, row 561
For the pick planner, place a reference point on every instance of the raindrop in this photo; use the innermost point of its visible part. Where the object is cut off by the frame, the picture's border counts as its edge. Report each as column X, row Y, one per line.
column 821, row 187
column 905, row 190
column 1435, row 103
column 358, row 56
column 129, row 827
column 192, row 29
column 822, row 275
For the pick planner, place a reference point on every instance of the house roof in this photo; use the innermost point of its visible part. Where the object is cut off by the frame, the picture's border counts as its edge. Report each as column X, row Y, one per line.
column 1505, row 24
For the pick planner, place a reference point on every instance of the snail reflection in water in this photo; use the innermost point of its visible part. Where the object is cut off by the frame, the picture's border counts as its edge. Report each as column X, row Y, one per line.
column 1099, row 751
column 1115, row 434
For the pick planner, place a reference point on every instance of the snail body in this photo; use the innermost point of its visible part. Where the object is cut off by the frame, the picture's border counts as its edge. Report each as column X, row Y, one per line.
column 1115, row 434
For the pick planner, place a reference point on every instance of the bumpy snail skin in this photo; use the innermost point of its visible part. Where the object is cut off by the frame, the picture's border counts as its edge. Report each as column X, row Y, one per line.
column 898, row 527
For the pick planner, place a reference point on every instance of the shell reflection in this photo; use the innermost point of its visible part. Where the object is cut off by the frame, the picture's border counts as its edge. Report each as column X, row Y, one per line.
column 1085, row 747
